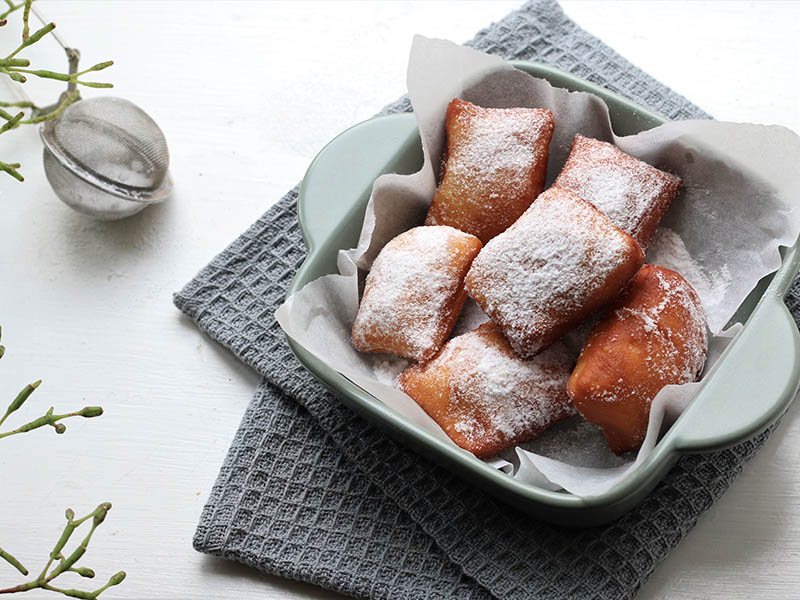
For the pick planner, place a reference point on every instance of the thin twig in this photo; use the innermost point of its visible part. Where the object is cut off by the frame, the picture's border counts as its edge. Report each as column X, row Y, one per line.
column 13, row 562
column 17, row 402
column 48, row 418
column 32, row 39
column 67, row 563
column 26, row 16
column 52, row 420
column 18, row 104
column 17, row 69
column 11, row 169
column 45, row 74
column 68, row 99
column 15, row 62
column 11, row 8
column 12, row 122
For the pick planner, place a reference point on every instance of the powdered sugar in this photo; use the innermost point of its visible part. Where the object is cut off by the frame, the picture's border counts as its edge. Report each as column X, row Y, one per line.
column 668, row 250
column 494, row 393
column 409, row 290
column 498, row 146
column 544, row 272
column 676, row 339
column 386, row 368
column 690, row 342
column 471, row 317
column 493, row 169
column 575, row 441
column 632, row 193
column 655, row 337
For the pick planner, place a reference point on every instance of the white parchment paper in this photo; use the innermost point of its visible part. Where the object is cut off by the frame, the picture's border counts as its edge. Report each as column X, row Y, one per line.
column 740, row 203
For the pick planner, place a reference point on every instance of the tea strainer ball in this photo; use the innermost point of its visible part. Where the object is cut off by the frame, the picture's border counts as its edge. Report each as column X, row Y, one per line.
column 105, row 157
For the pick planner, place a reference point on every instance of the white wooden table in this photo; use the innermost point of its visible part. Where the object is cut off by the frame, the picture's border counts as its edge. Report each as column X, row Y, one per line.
column 247, row 93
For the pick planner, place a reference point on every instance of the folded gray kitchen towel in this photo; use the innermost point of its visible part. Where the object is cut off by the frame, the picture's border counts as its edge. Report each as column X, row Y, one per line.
column 311, row 491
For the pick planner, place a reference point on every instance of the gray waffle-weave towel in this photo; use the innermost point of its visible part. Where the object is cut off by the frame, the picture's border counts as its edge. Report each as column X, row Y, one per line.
column 310, row 491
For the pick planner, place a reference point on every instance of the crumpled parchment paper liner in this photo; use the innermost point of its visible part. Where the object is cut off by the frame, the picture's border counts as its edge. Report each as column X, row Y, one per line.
column 722, row 233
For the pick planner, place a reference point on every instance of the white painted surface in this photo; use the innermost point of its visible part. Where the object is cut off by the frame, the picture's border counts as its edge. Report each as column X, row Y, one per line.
column 247, row 93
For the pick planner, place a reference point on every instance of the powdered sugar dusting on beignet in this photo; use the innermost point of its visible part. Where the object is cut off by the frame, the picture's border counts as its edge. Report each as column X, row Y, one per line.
column 681, row 352
column 494, row 167
column 485, row 397
column 655, row 335
column 499, row 145
column 559, row 262
column 633, row 194
column 414, row 292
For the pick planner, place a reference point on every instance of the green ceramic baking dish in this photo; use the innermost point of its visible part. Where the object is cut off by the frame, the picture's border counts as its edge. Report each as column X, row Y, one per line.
column 747, row 390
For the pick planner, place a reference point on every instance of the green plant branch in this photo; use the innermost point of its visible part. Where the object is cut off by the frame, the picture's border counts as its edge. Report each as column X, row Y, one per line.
column 67, row 563
column 17, row 68
column 17, row 402
column 44, row 74
column 58, row 562
column 53, row 420
column 11, row 8
column 32, row 39
column 17, row 105
column 12, row 122
column 48, row 418
column 13, row 562
column 11, row 169
column 65, row 102
column 26, row 17
column 17, row 65
column 18, row 77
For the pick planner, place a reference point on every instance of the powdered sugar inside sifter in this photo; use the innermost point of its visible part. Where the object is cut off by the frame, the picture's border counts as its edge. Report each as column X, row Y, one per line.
column 106, row 157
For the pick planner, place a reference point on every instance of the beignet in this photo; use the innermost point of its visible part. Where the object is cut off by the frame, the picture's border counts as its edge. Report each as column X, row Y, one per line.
column 654, row 336
column 561, row 260
column 414, row 292
column 632, row 193
column 485, row 397
column 493, row 168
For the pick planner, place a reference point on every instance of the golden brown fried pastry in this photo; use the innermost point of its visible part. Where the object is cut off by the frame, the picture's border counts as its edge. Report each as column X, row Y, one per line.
column 485, row 397
column 632, row 193
column 654, row 336
column 493, row 168
column 414, row 292
column 561, row 261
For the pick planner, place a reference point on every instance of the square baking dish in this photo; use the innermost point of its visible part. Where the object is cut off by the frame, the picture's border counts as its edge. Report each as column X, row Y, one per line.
column 746, row 391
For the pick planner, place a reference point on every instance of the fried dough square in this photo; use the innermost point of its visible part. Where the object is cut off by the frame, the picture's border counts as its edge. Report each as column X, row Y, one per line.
column 414, row 292
column 485, row 397
column 655, row 335
column 493, row 168
column 561, row 261
column 633, row 194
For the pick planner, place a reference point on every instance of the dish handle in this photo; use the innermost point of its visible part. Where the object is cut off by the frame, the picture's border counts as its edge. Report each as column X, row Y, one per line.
column 347, row 168
column 751, row 388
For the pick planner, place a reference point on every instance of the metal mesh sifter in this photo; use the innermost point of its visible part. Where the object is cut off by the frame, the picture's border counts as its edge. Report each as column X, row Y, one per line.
column 106, row 157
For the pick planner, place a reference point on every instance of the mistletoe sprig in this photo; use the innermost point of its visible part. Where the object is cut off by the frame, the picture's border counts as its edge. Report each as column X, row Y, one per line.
column 18, row 69
column 65, row 563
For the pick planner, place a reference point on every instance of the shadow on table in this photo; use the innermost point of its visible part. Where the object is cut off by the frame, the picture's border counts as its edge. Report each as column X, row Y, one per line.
column 143, row 231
